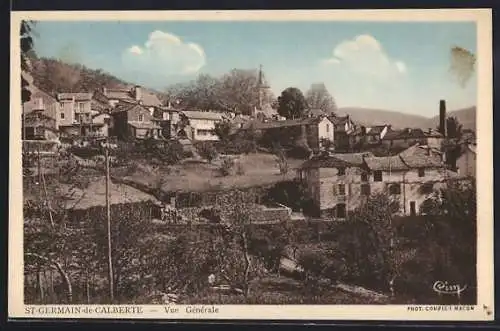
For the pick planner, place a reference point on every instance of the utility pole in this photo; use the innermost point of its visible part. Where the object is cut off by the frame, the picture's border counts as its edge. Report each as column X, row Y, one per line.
column 108, row 214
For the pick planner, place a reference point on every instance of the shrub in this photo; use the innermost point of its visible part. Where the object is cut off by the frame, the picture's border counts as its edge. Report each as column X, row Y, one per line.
column 240, row 169
column 226, row 166
column 207, row 151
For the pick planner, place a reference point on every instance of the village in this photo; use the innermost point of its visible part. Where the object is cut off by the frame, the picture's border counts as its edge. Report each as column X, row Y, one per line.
column 342, row 161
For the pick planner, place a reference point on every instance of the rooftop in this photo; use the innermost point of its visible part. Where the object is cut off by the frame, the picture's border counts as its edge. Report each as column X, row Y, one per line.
column 203, row 115
column 325, row 161
column 418, row 156
column 353, row 158
column 285, row 123
column 79, row 96
column 385, row 163
column 143, row 125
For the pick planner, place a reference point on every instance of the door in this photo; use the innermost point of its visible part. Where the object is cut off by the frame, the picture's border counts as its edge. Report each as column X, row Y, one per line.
column 341, row 210
column 413, row 208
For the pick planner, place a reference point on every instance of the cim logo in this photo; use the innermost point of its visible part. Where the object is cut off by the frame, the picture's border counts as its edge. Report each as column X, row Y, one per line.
column 446, row 288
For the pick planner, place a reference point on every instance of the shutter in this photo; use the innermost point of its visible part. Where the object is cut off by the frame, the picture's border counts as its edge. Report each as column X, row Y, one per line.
column 334, row 189
column 349, row 186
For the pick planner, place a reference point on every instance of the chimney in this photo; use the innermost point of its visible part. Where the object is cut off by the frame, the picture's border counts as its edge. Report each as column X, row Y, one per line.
column 442, row 117
column 104, row 90
column 429, row 130
column 137, row 93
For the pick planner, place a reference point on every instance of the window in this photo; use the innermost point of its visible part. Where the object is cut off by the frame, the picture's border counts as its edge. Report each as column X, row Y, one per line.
column 141, row 117
column 341, row 172
column 341, row 189
column 365, row 189
column 377, row 176
column 364, row 177
column 394, row 189
column 328, row 128
column 421, row 172
column 62, row 116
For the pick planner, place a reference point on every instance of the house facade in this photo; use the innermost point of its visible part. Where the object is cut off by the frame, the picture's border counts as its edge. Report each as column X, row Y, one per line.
column 199, row 125
column 133, row 121
column 466, row 162
column 135, row 94
column 339, row 184
column 75, row 113
column 344, row 127
column 313, row 130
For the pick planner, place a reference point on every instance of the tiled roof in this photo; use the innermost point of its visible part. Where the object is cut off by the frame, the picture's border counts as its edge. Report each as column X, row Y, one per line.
column 143, row 125
column 385, row 163
column 148, row 98
column 404, row 134
column 325, row 162
column 286, row 123
column 203, row 115
column 421, row 157
column 352, row 158
column 376, row 130
column 41, row 119
column 119, row 94
column 125, row 106
column 80, row 96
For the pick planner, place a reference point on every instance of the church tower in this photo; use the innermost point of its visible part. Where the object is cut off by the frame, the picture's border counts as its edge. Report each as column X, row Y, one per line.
column 262, row 87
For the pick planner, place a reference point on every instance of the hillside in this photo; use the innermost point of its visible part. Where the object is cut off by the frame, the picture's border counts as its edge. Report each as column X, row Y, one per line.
column 466, row 117
column 369, row 117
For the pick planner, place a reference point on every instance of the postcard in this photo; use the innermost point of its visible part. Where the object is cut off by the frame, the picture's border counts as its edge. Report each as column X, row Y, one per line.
column 256, row 165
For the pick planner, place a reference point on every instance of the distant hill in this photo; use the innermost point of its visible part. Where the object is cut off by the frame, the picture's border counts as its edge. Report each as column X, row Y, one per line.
column 54, row 76
column 465, row 116
column 370, row 117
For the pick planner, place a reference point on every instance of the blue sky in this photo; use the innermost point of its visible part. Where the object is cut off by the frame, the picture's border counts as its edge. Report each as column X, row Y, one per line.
column 394, row 66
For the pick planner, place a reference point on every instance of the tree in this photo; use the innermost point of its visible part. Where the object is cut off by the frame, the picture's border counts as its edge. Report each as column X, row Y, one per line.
column 367, row 242
column 222, row 130
column 453, row 128
column 292, row 103
column 200, row 93
column 281, row 160
column 239, row 91
column 463, row 64
column 207, row 151
column 26, row 65
column 318, row 97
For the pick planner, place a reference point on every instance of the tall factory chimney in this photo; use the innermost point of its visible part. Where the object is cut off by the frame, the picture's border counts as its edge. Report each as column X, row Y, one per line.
column 442, row 117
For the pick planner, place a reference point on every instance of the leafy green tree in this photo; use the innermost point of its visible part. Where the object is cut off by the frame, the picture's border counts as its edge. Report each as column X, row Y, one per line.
column 223, row 130
column 207, row 151
column 292, row 103
column 453, row 128
column 26, row 65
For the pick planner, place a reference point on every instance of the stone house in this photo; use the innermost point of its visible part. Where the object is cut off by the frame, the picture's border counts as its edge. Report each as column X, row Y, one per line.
column 408, row 137
column 199, row 125
column 337, row 184
column 135, row 94
column 133, row 120
column 344, row 127
column 369, row 135
column 466, row 162
column 314, row 129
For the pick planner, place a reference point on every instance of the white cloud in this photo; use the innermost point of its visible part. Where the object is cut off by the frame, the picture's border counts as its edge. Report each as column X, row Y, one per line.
column 365, row 55
column 135, row 50
column 165, row 53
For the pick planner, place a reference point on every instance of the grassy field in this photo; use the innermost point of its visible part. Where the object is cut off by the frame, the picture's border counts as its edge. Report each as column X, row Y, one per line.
column 191, row 175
